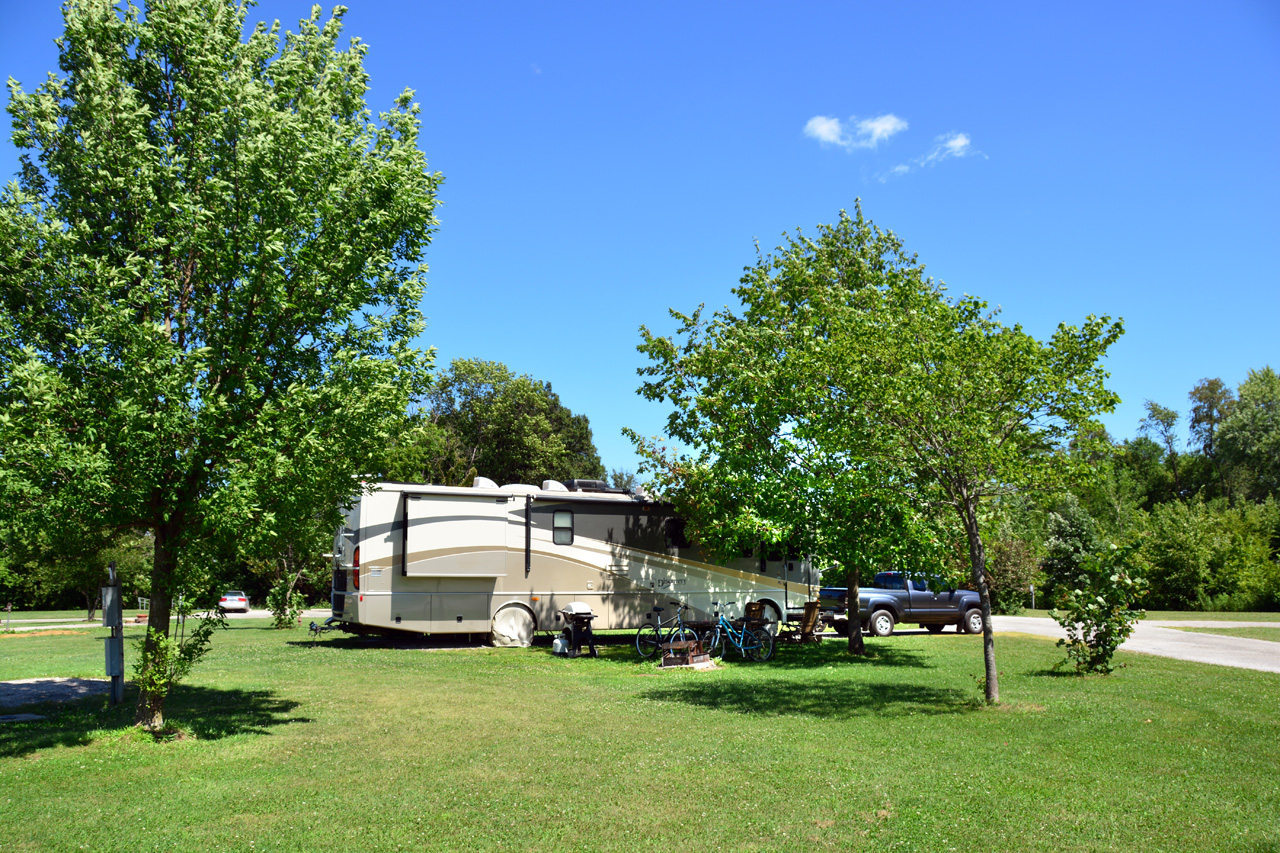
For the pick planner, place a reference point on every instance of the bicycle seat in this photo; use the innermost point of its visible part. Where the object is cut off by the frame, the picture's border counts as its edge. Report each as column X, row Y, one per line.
column 657, row 610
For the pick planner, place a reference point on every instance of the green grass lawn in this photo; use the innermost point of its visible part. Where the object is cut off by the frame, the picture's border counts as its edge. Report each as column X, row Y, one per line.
column 1192, row 615
column 1254, row 632
column 353, row 745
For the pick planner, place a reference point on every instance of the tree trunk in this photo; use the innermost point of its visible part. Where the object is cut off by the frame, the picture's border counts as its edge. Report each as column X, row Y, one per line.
column 856, row 644
column 150, row 711
column 978, row 562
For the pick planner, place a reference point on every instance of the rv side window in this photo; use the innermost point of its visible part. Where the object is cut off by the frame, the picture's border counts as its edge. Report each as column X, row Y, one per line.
column 562, row 527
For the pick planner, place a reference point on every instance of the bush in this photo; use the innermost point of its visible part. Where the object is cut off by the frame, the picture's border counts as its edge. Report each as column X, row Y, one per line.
column 1210, row 556
column 1098, row 614
column 1070, row 537
column 1011, row 569
column 286, row 605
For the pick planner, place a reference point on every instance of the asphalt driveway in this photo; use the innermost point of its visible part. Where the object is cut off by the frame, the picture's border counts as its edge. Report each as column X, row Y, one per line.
column 1155, row 637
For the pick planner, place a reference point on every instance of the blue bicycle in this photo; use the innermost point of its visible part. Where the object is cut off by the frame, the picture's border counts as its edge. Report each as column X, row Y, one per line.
column 754, row 643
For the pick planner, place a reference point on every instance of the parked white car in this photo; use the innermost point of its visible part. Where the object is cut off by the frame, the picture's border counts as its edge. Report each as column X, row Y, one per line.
column 234, row 599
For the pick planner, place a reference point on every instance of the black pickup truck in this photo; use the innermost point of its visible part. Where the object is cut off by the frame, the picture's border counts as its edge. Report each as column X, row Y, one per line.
column 894, row 597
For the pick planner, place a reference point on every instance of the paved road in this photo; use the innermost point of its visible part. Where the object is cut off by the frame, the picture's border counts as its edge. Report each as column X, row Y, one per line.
column 62, row 624
column 1154, row 637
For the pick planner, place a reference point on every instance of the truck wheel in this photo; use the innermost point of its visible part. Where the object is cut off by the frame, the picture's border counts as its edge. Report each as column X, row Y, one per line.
column 934, row 629
column 973, row 621
column 841, row 627
column 881, row 623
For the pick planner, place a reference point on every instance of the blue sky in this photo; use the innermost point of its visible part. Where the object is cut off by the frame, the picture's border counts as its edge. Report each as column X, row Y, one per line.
column 604, row 162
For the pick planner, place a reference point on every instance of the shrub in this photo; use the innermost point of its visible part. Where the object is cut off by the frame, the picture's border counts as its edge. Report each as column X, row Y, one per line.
column 1098, row 613
column 286, row 604
column 1210, row 556
column 1011, row 569
column 1070, row 537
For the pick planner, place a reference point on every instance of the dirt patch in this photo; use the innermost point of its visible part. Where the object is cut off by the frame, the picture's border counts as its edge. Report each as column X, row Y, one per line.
column 30, row 691
column 42, row 634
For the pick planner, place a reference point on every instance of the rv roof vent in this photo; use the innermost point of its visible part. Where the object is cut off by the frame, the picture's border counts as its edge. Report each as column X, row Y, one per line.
column 483, row 483
column 592, row 486
column 553, row 486
column 585, row 485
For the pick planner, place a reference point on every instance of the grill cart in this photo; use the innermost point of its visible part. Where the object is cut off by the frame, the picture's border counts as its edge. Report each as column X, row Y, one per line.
column 577, row 630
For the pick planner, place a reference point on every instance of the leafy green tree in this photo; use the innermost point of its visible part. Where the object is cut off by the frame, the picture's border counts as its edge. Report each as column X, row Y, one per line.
column 1210, row 556
column 974, row 409
column 425, row 451
column 63, row 562
column 620, row 478
column 860, row 362
column 507, row 427
column 1211, row 402
column 1011, row 570
column 1141, row 461
column 1250, row 435
column 1162, row 424
column 1070, row 538
column 761, row 464
column 209, row 269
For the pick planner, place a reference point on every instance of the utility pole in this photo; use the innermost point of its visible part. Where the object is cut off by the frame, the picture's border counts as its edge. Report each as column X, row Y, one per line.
column 113, row 618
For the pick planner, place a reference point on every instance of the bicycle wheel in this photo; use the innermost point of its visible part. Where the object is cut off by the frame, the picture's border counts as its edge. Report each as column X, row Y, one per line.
column 758, row 644
column 682, row 634
column 647, row 640
column 713, row 643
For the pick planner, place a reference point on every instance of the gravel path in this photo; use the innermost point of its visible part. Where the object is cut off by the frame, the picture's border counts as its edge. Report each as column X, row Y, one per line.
column 1156, row 637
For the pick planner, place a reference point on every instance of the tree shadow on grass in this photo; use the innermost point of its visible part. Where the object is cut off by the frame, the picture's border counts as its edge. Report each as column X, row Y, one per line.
column 794, row 656
column 205, row 713
column 828, row 700
column 357, row 642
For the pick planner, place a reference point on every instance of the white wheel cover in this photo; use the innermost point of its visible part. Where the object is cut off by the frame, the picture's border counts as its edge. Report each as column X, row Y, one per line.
column 513, row 626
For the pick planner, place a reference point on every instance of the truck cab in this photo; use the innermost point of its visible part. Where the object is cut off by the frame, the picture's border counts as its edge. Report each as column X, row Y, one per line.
column 896, row 597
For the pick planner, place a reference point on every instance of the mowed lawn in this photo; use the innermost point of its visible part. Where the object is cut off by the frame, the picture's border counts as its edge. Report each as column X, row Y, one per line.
column 353, row 745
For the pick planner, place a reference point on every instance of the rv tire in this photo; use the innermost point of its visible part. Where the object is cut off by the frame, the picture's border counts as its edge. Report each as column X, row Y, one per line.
column 772, row 618
column 513, row 626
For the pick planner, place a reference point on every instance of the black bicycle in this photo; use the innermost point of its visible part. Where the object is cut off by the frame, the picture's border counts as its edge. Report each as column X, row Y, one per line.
column 650, row 637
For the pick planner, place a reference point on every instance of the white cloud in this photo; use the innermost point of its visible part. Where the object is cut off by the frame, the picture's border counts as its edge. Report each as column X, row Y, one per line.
column 825, row 129
column 873, row 130
column 867, row 133
column 947, row 146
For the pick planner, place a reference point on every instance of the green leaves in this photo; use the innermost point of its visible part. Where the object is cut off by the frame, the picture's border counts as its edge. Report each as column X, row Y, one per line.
column 210, row 270
column 1098, row 612
column 480, row 418
column 852, row 399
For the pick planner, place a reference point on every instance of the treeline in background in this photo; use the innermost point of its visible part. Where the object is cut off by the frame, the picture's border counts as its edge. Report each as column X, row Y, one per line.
column 1196, row 491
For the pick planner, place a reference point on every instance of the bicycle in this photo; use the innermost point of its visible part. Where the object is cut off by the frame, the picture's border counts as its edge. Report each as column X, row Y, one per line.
column 649, row 637
column 754, row 643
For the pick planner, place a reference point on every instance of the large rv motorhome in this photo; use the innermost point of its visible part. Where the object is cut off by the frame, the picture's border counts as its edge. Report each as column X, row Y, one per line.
column 506, row 560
